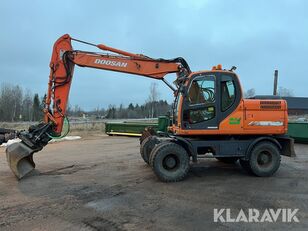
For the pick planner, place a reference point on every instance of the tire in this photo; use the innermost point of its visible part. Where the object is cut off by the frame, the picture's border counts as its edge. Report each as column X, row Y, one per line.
column 170, row 162
column 227, row 160
column 264, row 159
column 245, row 165
column 146, row 147
column 154, row 150
column 147, row 132
column 2, row 138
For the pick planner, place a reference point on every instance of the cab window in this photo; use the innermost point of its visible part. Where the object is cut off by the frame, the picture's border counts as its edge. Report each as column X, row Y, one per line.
column 202, row 97
column 227, row 94
column 202, row 90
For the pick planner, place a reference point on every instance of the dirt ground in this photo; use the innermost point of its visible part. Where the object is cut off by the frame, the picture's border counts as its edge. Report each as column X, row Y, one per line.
column 101, row 183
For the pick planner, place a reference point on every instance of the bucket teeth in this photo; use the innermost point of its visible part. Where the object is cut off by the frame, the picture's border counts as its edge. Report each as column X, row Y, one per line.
column 20, row 159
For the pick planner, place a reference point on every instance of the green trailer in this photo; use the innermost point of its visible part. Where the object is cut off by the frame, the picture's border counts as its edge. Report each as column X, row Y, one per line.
column 135, row 128
column 298, row 131
column 128, row 128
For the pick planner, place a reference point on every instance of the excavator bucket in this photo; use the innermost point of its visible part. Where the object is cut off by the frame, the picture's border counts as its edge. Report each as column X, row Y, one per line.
column 20, row 159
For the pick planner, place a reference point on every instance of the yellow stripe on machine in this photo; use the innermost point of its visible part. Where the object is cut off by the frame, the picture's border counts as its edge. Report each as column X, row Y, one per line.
column 123, row 134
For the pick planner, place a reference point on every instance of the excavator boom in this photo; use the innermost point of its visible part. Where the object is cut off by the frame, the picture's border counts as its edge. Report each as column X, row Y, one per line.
column 63, row 60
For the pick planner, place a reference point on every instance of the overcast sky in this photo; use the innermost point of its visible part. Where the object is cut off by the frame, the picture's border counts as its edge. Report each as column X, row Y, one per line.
column 256, row 36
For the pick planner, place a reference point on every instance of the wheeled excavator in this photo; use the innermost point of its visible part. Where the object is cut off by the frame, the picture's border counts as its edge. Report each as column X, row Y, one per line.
column 209, row 115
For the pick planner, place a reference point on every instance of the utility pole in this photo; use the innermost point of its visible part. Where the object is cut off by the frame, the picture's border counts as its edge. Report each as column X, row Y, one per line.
column 275, row 82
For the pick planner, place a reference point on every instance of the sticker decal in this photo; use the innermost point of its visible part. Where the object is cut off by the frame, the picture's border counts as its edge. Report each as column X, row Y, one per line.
column 234, row 121
column 266, row 123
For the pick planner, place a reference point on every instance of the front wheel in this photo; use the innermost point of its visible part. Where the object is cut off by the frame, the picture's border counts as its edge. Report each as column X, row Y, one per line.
column 170, row 162
column 146, row 147
column 246, row 166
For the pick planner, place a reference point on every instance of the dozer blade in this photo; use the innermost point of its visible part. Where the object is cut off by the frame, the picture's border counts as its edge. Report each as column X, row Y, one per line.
column 20, row 159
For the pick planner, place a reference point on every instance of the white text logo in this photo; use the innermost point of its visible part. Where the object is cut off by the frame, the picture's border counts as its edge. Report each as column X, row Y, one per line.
column 110, row 63
column 256, row 215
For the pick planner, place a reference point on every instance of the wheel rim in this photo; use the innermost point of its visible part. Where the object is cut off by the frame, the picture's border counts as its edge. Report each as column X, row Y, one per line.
column 171, row 162
column 264, row 159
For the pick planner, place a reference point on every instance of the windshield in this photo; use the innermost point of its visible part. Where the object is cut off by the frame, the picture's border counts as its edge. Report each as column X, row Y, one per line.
column 202, row 90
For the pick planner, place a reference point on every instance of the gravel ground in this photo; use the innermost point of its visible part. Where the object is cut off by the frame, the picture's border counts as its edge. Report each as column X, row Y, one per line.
column 101, row 183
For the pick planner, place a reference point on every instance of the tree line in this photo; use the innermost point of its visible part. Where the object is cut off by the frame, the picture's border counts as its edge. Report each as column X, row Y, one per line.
column 146, row 110
column 132, row 111
column 17, row 104
column 152, row 108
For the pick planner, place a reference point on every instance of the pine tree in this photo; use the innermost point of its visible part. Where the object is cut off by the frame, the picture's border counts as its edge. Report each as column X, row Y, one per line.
column 36, row 108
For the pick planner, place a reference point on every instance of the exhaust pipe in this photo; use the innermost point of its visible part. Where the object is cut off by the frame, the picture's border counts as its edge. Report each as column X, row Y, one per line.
column 20, row 159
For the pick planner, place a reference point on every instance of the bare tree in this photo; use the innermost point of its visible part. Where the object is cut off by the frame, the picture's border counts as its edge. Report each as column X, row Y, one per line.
column 27, row 110
column 17, row 99
column 153, row 98
column 15, row 106
column 5, row 102
column 282, row 91
column 10, row 102
column 250, row 93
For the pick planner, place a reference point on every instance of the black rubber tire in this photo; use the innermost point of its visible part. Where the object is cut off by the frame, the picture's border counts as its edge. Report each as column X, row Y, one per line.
column 264, row 159
column 146, row 147
column 245, row 165
column 147, row 132
column 170, row 162
column 154, row 150
column 227, row 160
column 2, row 138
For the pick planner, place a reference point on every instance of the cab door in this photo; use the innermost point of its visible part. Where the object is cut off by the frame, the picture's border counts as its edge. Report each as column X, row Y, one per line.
column 200, row 103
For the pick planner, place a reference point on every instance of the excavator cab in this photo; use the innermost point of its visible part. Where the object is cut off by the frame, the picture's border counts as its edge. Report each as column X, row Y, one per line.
column 210, row 97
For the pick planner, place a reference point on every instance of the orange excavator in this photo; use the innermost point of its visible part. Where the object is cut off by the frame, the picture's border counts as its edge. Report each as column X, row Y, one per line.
column 210, row 115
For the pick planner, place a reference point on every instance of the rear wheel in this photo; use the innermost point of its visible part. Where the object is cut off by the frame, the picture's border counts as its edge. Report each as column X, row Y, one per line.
column 146, row 147
column 245, row 165
column 170, row 162
column 264, row 159
column 227, row 160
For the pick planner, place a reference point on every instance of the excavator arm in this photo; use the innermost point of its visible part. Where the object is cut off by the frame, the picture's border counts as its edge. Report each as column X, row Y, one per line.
column 63, row 60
